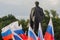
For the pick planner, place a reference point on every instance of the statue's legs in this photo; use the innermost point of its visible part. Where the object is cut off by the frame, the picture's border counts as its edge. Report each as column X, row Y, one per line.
column 31, row 24
column 36, row 23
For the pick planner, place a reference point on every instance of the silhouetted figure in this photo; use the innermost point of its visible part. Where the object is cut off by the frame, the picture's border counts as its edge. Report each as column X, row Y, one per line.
column 36, row 16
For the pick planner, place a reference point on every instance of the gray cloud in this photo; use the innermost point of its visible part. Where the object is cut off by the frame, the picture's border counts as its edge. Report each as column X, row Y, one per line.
column 21, row 8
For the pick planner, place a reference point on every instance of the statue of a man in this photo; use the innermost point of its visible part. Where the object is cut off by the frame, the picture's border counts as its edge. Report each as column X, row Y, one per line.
column 36, row 16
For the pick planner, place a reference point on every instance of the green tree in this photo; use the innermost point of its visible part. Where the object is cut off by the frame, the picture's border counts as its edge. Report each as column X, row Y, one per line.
column 47, row 13
column 54, row 13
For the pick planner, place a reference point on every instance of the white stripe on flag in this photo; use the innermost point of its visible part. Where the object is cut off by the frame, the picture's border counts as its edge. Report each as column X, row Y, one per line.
column 40, row 34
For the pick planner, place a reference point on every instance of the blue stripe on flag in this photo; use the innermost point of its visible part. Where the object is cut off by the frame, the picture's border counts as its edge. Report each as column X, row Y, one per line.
column 19, row 31
column 32, row 35
column 6, row 33
column 49, row 29
column 39, row 33
column 16, row 37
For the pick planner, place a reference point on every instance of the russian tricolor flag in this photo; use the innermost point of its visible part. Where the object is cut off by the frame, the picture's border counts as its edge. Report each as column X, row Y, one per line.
column 16, row 36
column 21, row 33
column 40, row 35
column 6, row 33
column 13, row 27
column 31, row 34
column 49, row 35
column 18, row 30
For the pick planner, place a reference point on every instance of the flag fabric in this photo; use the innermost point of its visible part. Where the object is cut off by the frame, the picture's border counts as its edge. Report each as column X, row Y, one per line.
column 13, row 26
column 6, row 33
column 16, row 36
column 21, row 33
column 49, row 35
column 18, row 30
column 31, row 34
column 40, row 35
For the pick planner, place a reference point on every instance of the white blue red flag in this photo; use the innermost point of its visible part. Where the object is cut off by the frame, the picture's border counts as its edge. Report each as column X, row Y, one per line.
column 18, row 30
column 6, row 33
column 31, row 34
column 49, row 35
column 40, row 34
column 16, row 36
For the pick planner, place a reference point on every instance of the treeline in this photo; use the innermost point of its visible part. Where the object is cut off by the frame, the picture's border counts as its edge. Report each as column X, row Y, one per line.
column 6, row 20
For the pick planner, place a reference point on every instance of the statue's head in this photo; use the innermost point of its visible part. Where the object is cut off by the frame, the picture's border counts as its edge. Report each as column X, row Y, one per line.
column 37, row 3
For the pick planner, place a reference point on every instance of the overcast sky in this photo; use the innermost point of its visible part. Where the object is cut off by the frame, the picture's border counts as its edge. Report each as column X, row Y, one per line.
column 21, row 8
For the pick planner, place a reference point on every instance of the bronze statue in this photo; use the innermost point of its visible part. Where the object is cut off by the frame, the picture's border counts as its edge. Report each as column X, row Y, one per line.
column 36, row 16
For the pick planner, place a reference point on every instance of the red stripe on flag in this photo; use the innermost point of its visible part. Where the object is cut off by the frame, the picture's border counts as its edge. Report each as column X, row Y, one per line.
column 30, row 38
column 38, row 38
column 8, row 37
column 48, row 36
column 23, row 36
